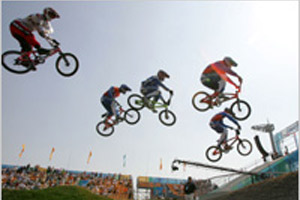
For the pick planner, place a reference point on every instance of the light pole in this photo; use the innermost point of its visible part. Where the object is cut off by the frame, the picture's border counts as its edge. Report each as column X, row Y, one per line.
column 268, row 128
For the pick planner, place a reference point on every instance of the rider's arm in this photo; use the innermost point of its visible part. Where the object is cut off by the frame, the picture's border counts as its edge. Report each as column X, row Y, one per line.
column 222, row 70
column 163, row 85
column 231, row 119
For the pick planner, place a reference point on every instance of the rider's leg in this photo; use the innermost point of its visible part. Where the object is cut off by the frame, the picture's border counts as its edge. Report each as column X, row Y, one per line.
column 115, row 111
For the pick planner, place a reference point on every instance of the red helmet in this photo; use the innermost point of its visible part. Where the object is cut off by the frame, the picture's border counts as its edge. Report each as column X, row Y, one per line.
column 50, row 13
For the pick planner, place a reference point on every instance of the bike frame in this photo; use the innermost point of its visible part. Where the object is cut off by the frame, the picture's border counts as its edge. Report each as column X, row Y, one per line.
column 158, row 104
column 55, row 49
column 110, row 122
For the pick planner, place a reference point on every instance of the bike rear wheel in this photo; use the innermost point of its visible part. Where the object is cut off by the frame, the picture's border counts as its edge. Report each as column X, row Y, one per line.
column 136, row 102
column 10, row 63
column 132, row 116
column 67, row 64
column 201, row 101
column 167, row 117
column 240, row 109
column 244, row 147
column 213, row 153
column 105, row 132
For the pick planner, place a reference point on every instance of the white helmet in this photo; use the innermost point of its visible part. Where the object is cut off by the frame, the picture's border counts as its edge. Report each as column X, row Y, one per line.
column 50, row 13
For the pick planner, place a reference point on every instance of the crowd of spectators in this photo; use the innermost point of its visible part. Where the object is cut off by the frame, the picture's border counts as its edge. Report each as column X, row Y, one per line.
column 115, row 186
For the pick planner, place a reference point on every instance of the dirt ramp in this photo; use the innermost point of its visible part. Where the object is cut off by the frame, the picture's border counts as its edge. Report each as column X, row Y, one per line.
column 284, row 187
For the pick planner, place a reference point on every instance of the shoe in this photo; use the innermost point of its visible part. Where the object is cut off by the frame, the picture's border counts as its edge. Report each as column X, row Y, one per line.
column 227, row 147
column 43, row 51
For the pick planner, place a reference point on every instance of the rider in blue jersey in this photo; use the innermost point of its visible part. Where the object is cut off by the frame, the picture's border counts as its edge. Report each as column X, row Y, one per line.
column 108, row 99
column 150, row 88
column 218, row 125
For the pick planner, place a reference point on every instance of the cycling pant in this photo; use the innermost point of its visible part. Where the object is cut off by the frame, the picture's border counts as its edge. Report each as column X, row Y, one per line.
column 213, row 81
column 24, row 36
column 151, row 91
column 110, row 106
column 219, row 128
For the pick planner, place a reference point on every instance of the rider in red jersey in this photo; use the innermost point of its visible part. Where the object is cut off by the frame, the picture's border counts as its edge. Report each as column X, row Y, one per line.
column 215, row 76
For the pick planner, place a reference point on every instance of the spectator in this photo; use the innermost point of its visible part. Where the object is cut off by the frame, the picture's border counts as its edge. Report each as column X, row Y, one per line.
column 189, row 189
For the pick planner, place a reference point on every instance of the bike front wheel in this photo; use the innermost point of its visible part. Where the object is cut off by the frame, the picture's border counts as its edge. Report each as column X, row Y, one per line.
column 67, row 64
column 167, row 117
column 132, row 116
column 244, row 147
column 213, row 153
column 10, row 62
column 201, row 101
column 241, row 110
column 104, row 130
column 136, row 102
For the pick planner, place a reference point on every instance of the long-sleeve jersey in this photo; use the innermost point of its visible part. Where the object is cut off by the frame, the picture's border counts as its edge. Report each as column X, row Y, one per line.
column 112, row 93
column 37, row 22
column 221, row 69
column 154, row 82
column 218, row 119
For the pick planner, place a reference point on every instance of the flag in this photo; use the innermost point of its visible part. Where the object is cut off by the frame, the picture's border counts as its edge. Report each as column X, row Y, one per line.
column 160, row 166
column 124, row 160
column 22, row 151
column 89, row 158
column 51, row 153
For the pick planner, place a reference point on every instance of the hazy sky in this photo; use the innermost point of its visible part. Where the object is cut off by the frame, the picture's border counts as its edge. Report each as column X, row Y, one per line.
column 126, row 42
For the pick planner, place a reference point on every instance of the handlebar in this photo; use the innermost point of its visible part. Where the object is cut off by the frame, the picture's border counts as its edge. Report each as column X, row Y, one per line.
column 52, row 41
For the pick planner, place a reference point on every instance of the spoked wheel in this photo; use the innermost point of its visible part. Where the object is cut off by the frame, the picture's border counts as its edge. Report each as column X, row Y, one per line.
column 135, row 101
column 11, row 63
column 240, row 109
column 201, row 101
column 244, row 147
column 132, row 116
column 67, row 64
column 167, row 117
column 213, row 154
column 104, row 131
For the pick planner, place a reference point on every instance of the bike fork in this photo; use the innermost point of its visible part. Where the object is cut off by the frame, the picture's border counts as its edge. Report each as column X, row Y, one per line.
column 65, row 59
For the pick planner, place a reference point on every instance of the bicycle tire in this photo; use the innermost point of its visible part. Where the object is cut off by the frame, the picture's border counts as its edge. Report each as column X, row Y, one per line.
column 197, row 98
column 132, row 116
column 67, row 69
column 105, row 133
column 240, row 114
column 164, row 115
column 245, row 143
column 211, row 155
column 8, row 60
column 136, row 102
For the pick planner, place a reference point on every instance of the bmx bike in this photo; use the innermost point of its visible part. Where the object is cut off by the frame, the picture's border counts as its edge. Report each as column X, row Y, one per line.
column 166, row 116
column 66, row 64
column 106, row 128
column 240, row 109
column 244, row 148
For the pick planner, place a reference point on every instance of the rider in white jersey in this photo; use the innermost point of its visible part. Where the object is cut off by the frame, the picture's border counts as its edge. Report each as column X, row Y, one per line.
column 21, row 30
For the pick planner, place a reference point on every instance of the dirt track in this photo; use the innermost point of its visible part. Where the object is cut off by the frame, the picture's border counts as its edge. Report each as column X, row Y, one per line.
column 281, row 188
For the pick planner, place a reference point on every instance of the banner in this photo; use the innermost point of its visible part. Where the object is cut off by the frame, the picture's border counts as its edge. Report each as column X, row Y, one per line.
column 124, row 160
column 22, row 151
column 89, row 158
column 51, row 153
column 160, row 166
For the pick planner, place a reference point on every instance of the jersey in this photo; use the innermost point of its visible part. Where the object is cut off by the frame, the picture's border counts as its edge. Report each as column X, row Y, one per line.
column 37, row 22
column 218, row 119
column 112, row 93
column 153, row 82
column 221, row 70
